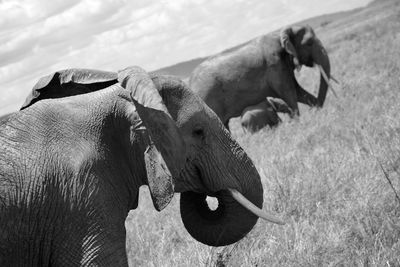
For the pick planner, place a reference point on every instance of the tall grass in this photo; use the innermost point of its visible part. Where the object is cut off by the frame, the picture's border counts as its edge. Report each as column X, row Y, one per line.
column 327, row 171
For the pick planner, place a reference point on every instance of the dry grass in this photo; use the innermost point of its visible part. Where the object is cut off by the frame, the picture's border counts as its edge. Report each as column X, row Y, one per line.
column 326, row 171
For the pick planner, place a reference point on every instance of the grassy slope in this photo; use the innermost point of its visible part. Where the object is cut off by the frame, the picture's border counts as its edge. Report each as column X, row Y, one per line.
column 322, row 171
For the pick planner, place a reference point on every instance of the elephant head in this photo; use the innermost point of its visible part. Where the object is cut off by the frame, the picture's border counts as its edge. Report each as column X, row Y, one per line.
column 189, row 151
column 306, row 49
column 213, row 164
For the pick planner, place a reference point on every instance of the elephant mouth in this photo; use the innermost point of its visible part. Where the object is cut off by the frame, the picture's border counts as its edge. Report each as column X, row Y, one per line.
column 215, row 215
column 309, row 62
column 211, row 215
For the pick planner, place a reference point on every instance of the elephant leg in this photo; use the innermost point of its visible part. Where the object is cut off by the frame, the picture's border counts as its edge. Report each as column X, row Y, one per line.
column 305, row 97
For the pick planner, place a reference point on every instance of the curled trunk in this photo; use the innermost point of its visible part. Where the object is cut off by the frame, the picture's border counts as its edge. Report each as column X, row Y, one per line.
column 230, row 222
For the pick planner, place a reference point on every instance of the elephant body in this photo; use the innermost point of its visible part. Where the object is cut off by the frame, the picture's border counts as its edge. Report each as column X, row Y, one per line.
column 71, row 167
column 65, row 188
column 263, row 67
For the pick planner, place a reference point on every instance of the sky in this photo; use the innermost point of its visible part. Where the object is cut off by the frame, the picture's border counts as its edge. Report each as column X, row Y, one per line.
column 39, row 37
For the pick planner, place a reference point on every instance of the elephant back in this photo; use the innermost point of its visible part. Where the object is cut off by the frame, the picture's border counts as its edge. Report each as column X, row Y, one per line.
column 69, row 82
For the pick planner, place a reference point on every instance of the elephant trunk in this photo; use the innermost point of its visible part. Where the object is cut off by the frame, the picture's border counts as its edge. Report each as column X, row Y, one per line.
column 231, row 221
column 321, row 58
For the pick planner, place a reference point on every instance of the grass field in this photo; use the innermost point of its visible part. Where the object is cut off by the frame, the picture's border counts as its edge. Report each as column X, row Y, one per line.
column 328, row 172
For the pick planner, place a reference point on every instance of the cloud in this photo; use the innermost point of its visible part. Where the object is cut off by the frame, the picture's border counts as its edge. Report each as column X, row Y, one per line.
column 38, row 37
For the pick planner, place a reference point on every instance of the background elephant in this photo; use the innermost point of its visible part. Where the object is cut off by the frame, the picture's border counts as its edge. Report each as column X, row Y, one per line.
column 245, row 75
column 71, row 167
column 264, row 113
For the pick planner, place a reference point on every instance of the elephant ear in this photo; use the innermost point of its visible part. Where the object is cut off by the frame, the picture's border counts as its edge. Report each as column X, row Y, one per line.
column 285, row 35
column 164, row 156
column 69, row 82
column 279, row 105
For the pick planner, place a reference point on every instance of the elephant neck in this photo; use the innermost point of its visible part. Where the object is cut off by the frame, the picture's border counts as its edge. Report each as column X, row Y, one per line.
column 126, row 168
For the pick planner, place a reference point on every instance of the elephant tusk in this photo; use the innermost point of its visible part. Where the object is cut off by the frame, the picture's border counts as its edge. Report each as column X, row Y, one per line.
column 253, row 208
column 326, row 79
column 335, row 80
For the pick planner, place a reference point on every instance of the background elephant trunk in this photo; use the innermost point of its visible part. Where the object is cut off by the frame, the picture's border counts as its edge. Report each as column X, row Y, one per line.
column 321, row 58
column 230, row 222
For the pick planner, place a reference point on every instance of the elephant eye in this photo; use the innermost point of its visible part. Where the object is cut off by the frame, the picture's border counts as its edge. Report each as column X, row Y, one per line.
column 198, row 132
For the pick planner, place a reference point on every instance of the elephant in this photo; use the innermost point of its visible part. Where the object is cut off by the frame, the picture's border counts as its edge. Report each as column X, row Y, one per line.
column 263, row 67
column 262, row 114
column 73, row 158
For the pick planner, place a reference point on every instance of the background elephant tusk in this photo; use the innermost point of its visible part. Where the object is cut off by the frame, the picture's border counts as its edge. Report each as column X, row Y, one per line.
column 335, row 80
column 253, row 208
column 326, row 79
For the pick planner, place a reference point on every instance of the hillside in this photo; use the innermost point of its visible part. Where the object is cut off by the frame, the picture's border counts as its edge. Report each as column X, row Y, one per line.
column 328, row 172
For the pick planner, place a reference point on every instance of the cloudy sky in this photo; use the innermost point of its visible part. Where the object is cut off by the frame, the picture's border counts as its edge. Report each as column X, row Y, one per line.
column 38, row 37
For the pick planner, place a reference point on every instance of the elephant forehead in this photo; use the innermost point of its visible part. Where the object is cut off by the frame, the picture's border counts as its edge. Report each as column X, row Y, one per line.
column 302, row 34
column 191, row 114
column 184, row 106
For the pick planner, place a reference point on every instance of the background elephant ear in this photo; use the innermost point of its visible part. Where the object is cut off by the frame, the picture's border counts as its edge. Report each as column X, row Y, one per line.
column 68, row 83
column 166, row 143
column 279, row 105
column 288, row 45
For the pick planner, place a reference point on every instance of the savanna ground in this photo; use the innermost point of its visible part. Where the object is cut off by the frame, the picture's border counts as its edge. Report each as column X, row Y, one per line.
column 328, row 172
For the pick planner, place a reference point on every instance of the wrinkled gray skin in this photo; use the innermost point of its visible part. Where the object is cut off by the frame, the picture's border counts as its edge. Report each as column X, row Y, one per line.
column 245, row 75
column 71, row 167
column 265, row 113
